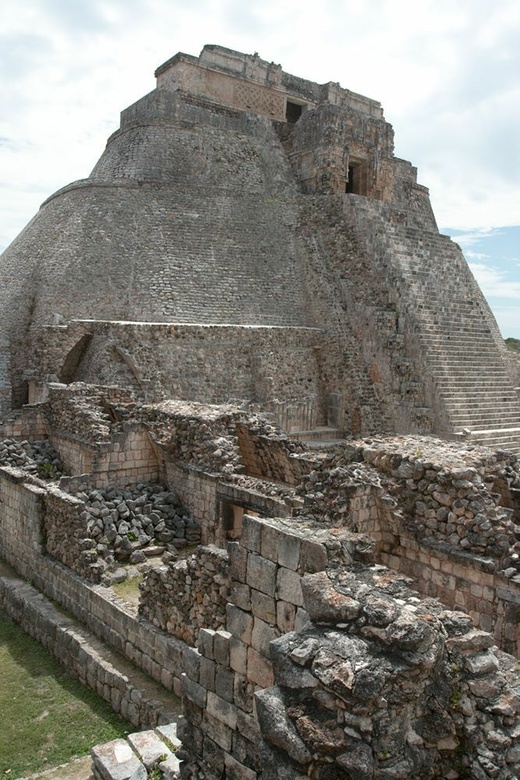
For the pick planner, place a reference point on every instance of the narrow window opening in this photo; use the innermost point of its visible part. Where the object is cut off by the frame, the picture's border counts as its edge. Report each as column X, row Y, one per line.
column 232, row 516
column 352, row 184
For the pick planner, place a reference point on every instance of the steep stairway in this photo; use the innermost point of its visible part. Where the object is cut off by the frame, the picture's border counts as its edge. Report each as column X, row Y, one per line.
column 461, row 349
column 459, row 338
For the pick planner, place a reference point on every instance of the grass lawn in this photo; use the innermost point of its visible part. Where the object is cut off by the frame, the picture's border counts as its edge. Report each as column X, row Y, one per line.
column 47, row 717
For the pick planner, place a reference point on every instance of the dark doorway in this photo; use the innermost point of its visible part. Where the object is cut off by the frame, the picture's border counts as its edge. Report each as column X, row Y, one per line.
column 293, row 112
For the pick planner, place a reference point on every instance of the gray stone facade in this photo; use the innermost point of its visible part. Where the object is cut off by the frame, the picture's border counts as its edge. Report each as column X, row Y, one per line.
column 249, row 234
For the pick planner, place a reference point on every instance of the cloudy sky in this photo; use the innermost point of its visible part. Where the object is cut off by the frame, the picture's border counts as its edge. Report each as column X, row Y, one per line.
column 446, row 71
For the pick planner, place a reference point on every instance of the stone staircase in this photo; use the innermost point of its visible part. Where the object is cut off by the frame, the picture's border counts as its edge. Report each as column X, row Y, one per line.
column 459, row 337
column 460, row 348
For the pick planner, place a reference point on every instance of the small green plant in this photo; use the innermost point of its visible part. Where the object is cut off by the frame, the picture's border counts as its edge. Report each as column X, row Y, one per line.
column 132, row 537
column 45, row 470
column 454, row 700
column 155, row 773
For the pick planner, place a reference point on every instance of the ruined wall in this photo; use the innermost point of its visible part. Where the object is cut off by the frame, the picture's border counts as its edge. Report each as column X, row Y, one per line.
column 312, row 656
column 445, row 516
column 22, row 535
column 313, row 672
column 128, row 457
column 209, row 364
column 189, row 594
column 22, row 506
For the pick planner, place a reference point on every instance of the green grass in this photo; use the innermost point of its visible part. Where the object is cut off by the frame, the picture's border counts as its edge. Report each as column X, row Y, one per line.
column 129, row 589
column 47, row 717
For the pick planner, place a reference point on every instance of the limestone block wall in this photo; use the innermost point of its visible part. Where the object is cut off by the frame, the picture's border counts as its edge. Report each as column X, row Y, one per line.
column 22, row 534
column 189, row 594
column 198, row 493
column 278, row 459
column 128, row 457
column 29, row 423
column 22, row 507
column 462, row 582
column 310, row 668
column 270, row 366
column 445, row 517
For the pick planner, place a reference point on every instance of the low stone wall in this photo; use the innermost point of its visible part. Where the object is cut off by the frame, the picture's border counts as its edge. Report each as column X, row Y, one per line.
column 27, row 424
column 129, row 456
column 189, row 594
column 23, row 507
column 462, row 581
column 197, row 491
column 279, row 458
column 80, row 656
column 21, row 521
column 66, row 534
column 446, row 516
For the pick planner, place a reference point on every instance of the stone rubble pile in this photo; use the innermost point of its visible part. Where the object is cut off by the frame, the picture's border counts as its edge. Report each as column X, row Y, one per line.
column 36, row 458
column 326, row 491
column 127, row 524
column 466, row 499
column 196, row 433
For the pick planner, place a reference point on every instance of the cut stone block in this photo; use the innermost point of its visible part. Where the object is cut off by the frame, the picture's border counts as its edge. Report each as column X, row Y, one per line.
column 149, row 747
column 117, row 761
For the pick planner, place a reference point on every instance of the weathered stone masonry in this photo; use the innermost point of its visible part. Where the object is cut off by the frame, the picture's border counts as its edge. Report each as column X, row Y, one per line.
column 249, row 244
column 295, row 647
column 320, row 275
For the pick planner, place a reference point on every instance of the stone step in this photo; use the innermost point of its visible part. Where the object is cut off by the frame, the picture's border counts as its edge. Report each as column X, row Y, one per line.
column 483, row 421
column 138, row 756
column 489, row 414
column 476, row 412
column 464, row 349
column 462, row 346
column 484, row 402
column 322, row 433
column 501, row 383
column 506, row 438
column 324, row 444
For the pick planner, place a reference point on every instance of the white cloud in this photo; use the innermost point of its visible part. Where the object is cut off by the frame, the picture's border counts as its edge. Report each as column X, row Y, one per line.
column 495, row 283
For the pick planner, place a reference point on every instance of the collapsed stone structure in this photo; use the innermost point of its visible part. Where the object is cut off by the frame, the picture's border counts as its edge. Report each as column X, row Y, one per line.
column 249, row 234
column 346, row 615
column 249, row 245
